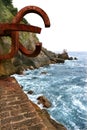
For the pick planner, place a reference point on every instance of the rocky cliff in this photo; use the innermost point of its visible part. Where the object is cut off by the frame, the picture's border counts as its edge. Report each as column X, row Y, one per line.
column 20, row 62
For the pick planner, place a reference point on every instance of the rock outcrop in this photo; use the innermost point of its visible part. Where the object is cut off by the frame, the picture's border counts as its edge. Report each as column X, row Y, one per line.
column 44, row 101
column 20, row 62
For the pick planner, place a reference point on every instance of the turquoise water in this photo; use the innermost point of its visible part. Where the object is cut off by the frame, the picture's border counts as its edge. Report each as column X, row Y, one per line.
column 65, row 85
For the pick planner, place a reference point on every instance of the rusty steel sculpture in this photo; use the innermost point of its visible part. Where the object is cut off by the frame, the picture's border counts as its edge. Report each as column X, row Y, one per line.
column 11, row 29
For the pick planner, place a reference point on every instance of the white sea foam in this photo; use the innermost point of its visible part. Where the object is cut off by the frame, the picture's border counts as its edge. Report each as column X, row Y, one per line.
column 65, row 85
column 74, row 126
column 79, row 104
column 59, row 97
column 85, row 119
column 34, row 99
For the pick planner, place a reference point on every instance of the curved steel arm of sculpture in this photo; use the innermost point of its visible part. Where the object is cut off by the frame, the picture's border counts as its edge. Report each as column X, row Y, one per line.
column 14, row 47
column 32, row 9
column 29, row 53
column 18, row 18
column 8, row 30
column 5, row 29
column 13, row 28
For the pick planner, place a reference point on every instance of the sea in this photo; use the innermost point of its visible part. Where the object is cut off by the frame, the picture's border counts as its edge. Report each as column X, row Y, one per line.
column 65, row 86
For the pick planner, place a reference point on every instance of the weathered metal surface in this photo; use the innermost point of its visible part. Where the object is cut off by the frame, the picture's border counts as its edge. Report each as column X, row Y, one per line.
column 6, row 28
column 12, row 29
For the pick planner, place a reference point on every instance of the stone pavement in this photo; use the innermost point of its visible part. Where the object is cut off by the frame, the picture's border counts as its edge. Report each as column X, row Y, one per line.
column 17, row 112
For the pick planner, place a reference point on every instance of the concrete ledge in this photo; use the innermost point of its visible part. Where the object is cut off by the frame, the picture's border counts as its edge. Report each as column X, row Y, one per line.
column 17, row 112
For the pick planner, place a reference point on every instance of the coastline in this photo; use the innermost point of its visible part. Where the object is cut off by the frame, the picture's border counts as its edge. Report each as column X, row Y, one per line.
column 19, row 112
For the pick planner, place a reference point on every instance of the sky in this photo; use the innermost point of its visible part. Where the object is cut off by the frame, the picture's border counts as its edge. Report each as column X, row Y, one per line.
column 68, row 20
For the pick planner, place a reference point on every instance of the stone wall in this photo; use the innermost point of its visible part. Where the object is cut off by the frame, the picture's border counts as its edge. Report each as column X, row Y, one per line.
column 17, row 112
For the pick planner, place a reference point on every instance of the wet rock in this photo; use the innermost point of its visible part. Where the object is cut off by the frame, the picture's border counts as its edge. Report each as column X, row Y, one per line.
column 21, row 86
column 57, row 125
column 6, row 68
column 75, row 58
column 20, row 70
column 63, row 55
column 30, row 92
column 59, row 60
column 31, row 67
column 70, row 58
column 44, row 101
column 43, row 72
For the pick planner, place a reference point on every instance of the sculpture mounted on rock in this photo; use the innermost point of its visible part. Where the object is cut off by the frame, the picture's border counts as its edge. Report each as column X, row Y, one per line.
column 11, row 29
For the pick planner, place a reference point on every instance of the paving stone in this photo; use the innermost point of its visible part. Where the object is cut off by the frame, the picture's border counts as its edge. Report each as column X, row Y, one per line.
column 17, row 112
column 4, row 114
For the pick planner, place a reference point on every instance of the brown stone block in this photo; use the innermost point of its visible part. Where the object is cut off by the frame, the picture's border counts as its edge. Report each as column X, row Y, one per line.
column 9, row 108
column 28, row 123
column 15, row 112
column 26, row 107
column 11, row 103
column 2, row 103
column 6, row 127
column 37, row 127
column 5, row 121
column 17, row 118
column 4, row 115
column 30, row 114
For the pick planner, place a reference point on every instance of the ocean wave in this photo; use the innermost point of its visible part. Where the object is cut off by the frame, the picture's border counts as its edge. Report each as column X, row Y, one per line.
column 65, row 85
column 74, row 126
column 79, row 104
